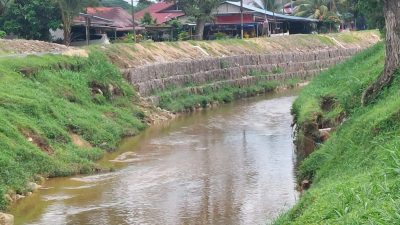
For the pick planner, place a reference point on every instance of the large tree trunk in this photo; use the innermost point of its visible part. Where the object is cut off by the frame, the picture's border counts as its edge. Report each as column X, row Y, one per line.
column 392, row 62
column 200, row 23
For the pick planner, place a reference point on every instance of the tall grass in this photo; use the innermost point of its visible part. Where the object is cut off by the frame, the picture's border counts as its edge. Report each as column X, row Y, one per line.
column 356, row 173
column 51, row 102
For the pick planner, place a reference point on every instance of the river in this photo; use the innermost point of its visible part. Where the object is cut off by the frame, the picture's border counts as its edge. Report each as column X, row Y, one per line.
column 230, row 165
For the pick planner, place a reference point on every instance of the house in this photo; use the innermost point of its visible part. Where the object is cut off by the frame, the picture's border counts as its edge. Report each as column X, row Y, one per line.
column 114, row 21
column 228, row 20
column 162, row 13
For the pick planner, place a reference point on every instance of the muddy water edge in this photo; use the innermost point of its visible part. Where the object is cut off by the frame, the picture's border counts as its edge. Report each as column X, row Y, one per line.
column 230, row 165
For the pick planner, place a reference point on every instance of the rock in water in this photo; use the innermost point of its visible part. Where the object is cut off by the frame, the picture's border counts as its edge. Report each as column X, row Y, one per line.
column 6, row 219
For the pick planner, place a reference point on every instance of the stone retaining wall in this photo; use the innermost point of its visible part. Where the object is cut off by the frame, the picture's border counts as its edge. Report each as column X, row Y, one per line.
column 232, row 70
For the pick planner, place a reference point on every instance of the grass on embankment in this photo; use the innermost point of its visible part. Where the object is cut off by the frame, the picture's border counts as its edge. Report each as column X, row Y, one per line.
column 147, row 52
column 356, row 173
column 59, row 96
column 180, row 100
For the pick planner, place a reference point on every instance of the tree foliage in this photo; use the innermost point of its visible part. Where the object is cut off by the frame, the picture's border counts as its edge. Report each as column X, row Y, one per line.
column 373, row 11
column 116, row 3
column 3, row 6
column 314, row 9
column 31, row 19
column 147, row 19
column 142, row 4
column 200, row 10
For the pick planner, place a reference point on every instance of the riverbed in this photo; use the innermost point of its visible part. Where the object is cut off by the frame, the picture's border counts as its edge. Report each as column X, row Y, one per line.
column 230, row 165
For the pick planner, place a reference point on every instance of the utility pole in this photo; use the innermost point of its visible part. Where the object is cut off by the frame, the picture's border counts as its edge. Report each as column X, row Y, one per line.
column 133, row 21
column 241, row 19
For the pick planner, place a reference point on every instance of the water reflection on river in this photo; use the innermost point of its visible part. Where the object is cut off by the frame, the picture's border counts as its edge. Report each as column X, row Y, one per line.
column 231, row 165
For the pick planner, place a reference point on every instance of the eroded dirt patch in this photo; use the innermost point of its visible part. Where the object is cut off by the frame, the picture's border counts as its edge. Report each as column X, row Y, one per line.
column 38, row 140
column 79, row 141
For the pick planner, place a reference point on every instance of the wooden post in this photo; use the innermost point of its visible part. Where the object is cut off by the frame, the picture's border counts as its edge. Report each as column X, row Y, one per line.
column 87, row 26
column 133, row 21
column 241, row 19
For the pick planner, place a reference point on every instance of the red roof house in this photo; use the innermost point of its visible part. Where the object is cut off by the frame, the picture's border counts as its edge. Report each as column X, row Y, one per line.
column 162, row 12
column 120, row 19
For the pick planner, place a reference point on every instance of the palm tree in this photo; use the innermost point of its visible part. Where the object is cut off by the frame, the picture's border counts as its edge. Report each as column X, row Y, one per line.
column 314, row 9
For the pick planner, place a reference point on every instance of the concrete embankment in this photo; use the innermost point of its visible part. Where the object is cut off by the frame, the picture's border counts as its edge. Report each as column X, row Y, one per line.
column 237, row 71
column 190, row 67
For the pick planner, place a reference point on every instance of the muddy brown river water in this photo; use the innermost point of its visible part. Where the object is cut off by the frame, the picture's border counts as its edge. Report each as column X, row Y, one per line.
column 229, row 165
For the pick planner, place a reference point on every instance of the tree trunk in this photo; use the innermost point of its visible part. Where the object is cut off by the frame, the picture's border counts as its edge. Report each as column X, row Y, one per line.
column 67, row 22
column 67, row 34
column 200, row 23
column 392, row 62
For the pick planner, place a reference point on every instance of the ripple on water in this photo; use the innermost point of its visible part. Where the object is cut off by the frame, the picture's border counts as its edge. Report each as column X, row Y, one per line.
column 57, row 197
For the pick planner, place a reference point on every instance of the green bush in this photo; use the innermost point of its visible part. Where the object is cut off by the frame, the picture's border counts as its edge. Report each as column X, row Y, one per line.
column 183, row 36
column 220, row 36
column 2, row 34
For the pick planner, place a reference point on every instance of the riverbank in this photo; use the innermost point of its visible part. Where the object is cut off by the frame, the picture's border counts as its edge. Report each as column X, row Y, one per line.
column 354, row 174
column 61, row 114
column 204, row 167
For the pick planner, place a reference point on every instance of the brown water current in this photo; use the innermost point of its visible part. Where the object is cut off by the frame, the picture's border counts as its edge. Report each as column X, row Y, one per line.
column 229, row 165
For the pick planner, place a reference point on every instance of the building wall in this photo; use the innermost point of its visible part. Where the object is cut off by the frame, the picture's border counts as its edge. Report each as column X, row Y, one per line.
column 227, row 8
column 233, row 19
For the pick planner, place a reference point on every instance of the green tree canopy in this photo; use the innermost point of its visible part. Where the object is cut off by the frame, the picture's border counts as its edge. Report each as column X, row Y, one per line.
column 200, row 10
column 3, row 6
column 31, row 19
column 116, row 3
column 147, row 19
column 315, row 9
column 373, row 11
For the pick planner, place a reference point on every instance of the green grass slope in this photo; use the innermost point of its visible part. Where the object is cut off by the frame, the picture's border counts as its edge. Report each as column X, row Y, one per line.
column 356, row 173
column 43, row 100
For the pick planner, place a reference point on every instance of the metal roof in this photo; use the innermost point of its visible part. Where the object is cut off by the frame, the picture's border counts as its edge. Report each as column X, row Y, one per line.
column 159, row 11
column 269, row 13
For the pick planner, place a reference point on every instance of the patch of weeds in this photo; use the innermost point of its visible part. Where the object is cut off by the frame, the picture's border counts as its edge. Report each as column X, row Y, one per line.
column 223, row 64
column 277, row 70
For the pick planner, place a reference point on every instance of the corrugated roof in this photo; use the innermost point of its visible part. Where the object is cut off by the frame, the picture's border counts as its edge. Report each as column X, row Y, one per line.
column 156, row 11
column 120, row 18
column 269, row 13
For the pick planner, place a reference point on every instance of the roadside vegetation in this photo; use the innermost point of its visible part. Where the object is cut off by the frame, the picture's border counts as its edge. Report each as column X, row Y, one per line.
column 355, row 173
column 47, row 102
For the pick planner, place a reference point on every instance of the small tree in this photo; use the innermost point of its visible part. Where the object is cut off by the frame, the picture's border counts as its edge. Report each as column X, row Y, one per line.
column 69, row 9
column 147, row 19
column 177, row 28
column 201, row 10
